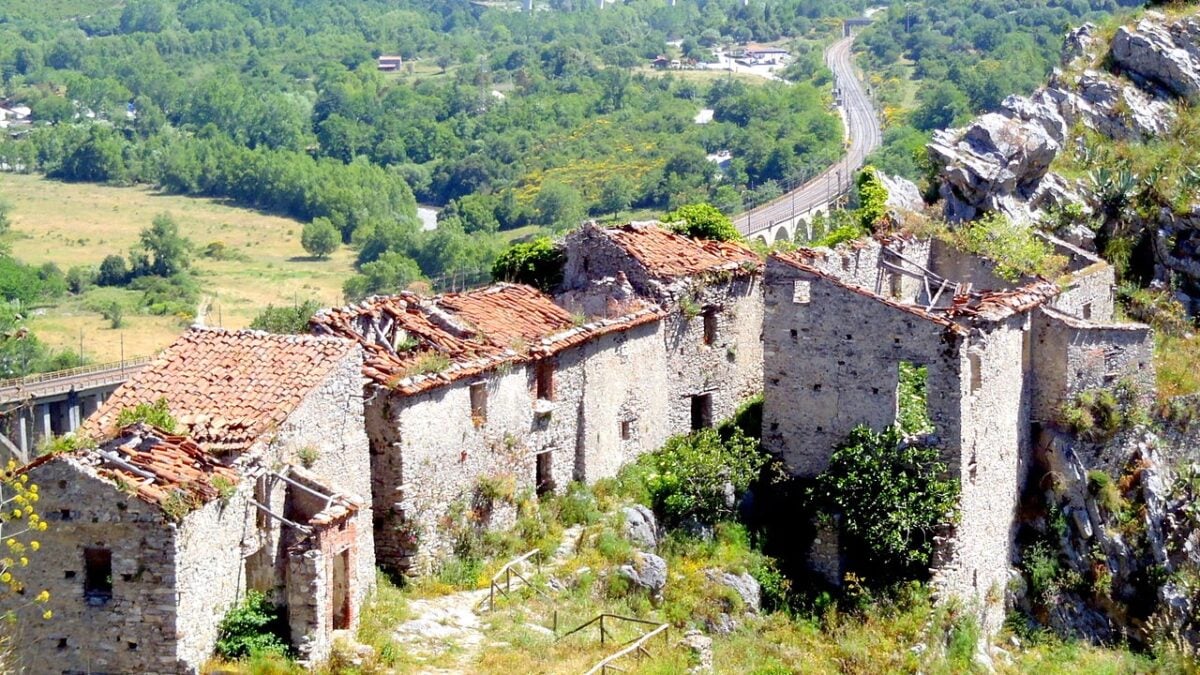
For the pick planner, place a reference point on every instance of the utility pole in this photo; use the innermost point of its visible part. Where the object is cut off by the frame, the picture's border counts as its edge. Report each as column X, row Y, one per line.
column 81, row 346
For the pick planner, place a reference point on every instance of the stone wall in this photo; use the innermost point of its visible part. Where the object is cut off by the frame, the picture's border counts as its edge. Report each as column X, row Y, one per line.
column 729, row 369
column 1074, row 355
column 857, row 263
column 429, row 452
column 952, row 264
column 613, row 398
column 991, row 464
column 831, row 359
column 132, row 631
column 210, row 573
column 331, row 421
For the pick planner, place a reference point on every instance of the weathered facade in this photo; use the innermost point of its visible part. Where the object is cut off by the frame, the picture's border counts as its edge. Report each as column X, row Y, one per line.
column 154, row 536
column 506, row 387
column 998, row 357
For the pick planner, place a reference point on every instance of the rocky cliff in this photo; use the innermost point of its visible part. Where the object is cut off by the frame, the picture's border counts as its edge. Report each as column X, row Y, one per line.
column 1062, row 155
column 1107, row 155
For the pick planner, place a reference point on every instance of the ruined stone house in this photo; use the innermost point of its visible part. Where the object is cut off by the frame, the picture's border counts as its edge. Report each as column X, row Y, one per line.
column 264, row 485
column 501, row 390
column 999, row 358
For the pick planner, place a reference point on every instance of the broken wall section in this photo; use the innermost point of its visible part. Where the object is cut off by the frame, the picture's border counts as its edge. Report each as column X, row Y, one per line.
column 1074, row 355
column 831, row 362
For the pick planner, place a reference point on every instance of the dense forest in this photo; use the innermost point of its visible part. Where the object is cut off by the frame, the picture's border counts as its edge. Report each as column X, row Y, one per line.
column 507, row 121
column 505, row 118
column 963, row 57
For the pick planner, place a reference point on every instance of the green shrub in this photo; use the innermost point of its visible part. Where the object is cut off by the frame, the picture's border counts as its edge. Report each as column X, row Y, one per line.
column 538, row 263
column 157, row 414
column 892, row 498
column 286, row 320
column 747, row 419
column 692, row 476
column 1012, row 246
column 913, row 413
column 1042, row 570
column 1102, row 487
column 702, row 221
column 252, row 627
column 872, row 198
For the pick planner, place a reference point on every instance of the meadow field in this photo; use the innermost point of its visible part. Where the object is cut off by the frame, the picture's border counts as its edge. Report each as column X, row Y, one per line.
column 79, row 224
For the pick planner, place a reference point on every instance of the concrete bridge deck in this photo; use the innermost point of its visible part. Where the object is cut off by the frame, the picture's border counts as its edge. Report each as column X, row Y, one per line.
column 777, row 220
column 37, row 407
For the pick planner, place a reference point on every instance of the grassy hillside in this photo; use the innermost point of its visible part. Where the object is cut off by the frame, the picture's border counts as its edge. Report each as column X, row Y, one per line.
column 79, row 224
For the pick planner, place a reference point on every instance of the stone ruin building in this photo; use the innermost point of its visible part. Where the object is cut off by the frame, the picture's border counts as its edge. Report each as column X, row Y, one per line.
column 654, row 334
column 999, row 358
column 300, row 461
column 154, row 535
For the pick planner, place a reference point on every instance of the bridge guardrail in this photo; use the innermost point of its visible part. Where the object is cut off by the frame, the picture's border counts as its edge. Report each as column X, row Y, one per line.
column 39, row 378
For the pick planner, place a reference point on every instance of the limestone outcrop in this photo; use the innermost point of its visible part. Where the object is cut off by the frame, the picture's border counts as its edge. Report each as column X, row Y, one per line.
column 1161, row 53
column 1113, row 554
column 1000, row 161
column 994, row 164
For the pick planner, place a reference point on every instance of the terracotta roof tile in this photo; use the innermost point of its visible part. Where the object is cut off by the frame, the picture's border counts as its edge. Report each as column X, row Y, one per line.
column 987, row 305
column 227, row 388
column 154, row 466
column 666, row 254
column 414, row 344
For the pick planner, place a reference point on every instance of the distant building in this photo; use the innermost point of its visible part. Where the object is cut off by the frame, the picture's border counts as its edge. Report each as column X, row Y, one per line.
column 389, row 64
column 661, row 62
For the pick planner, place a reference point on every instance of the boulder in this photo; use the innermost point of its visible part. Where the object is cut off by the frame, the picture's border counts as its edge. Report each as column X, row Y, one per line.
column 648, row 572
column 641, row 527
column 743, row 584
column 1119, row 110
column 700, row 653
column 1042, row 108
column 1161, row 54
column 903, row 194
column 1078, row 42
column 995, row 164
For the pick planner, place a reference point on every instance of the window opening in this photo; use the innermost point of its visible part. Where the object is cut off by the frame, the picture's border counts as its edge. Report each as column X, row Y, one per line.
column 802, row 292
column 479, row 403
column 544, row 374
column 701, row 411
column 710, row 326
column 97, row 577
column 912, row 405
column 545, row 473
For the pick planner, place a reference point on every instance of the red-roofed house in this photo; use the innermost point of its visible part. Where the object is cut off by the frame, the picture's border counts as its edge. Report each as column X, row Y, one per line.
column 495, row 385
column 263, row 484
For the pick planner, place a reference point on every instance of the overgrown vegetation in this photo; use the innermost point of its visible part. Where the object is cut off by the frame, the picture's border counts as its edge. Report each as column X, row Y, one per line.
column 254, row 627
column 157, row 414
column 538, row 263
column 697, row 477
column 1015, row 249
column 891, row 498
column 286, row 320
column 702, row 221
column 1097, row 415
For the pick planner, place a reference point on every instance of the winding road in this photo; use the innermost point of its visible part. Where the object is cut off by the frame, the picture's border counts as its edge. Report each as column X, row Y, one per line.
column 863, row 136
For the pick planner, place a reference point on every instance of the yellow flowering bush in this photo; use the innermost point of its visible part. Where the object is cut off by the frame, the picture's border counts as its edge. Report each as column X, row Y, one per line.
column 20, row 525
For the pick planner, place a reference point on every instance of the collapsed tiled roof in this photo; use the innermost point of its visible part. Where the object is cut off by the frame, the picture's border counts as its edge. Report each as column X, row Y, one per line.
column 156, row 467
column 666, row 254
column 987, row 305
column 414, row 344
column 226, row 389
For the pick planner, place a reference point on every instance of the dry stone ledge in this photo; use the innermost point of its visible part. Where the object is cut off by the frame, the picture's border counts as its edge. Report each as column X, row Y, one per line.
column 1160, row 53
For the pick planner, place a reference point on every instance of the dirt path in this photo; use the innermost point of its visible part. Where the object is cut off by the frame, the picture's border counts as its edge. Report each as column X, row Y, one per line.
column 448, row 631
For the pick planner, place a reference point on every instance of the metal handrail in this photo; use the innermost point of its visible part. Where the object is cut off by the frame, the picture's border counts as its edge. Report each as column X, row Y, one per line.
column 507, row 573
column 39, row 378
column 634, row 646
